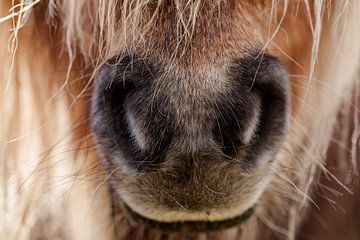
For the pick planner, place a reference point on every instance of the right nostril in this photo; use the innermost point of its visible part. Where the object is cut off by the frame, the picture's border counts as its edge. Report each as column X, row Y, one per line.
column 272, row 87
column 237, row 121
column 255, row 116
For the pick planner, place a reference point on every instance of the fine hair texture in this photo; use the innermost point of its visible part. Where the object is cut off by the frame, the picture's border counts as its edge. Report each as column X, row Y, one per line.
column 52, row 184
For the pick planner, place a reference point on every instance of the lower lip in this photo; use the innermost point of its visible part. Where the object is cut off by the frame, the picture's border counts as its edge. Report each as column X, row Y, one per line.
column 188, row 226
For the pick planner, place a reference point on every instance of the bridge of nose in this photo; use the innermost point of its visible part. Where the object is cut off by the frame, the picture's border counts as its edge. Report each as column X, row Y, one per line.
column 192, row 112
column 193, row 98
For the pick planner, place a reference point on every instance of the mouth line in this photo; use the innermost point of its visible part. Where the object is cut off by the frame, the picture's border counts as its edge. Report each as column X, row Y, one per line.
column 188, row 226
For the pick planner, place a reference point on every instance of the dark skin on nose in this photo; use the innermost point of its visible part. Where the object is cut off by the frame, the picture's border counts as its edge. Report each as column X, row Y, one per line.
column 125, row 86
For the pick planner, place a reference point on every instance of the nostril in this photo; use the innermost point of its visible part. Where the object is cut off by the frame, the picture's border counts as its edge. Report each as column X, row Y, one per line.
column 136, row 131
column 268, row 80
column 125, row 113
column 255, row 116
column 117, row 129
column 237, row 121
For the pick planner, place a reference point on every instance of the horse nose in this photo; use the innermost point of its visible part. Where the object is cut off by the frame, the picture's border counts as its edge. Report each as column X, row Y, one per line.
column 142, row 120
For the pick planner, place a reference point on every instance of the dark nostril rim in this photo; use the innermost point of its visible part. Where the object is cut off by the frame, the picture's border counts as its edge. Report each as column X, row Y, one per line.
column 116, row 81
column 273, row 89
column 260, row 102
column 122, row 93
column 235, row 119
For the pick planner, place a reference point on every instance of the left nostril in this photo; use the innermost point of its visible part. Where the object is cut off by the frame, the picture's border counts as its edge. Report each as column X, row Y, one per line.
column 116, row 129
column 136, row 132
column 125, row 113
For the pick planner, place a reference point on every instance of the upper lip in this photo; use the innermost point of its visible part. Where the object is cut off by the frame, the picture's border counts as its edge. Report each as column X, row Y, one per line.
column 188, row 226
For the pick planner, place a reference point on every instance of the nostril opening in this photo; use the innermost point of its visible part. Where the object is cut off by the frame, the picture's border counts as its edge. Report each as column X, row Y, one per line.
column 272, row 87
column 125, row 114
column 255, row 117
column 117, row 129
column 237, row 121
